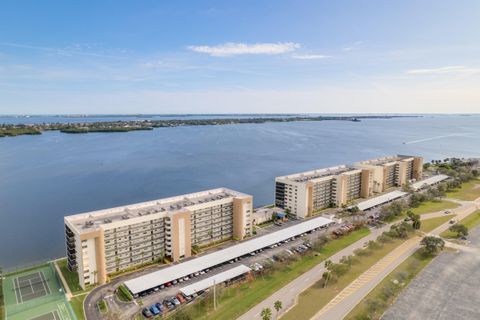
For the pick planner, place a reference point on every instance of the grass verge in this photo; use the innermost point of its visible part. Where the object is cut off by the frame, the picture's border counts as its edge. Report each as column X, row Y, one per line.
column 470, row 221
column 434, row 206
column 384, row 294
column 317, row 296
column 469, row 191
column 70, row 277
column 428, row 225
column 77, row 306
column 236, row 300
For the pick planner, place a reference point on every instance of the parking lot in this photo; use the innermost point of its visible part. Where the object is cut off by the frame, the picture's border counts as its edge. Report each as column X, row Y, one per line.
column 166, row 297
column 446, row 289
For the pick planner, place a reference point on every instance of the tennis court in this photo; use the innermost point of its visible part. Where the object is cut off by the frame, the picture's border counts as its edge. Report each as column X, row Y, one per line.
column 31, row 286
column 35, row 294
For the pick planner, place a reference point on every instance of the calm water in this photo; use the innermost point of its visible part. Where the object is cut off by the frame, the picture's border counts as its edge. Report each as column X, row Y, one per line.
column 43, row 178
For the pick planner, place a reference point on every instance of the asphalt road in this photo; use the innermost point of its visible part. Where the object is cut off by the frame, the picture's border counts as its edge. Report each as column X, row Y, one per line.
column 128, row 310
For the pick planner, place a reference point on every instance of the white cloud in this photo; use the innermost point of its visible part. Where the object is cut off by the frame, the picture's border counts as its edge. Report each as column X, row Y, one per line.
column 446, row 70
column 235, row 48
column 309, row 56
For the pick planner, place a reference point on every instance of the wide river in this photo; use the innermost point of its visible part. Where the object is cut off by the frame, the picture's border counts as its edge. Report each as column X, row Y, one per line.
column 43, row 178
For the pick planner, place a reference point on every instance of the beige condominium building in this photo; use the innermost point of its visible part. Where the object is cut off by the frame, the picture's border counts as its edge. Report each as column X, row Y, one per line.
column 304, row 193
column 393, row 171
column 105, row 241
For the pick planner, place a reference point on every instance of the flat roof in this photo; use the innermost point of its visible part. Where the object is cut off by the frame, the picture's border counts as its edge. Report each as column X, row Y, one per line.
column 318, row 173
column 385, row 160
column 216, row 279
column 429, row 181
column 88, row 221
column 183, row 269
column 384, row 198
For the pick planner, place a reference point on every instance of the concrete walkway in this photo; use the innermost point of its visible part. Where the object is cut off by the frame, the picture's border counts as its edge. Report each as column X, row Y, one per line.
column 68, row 293
column 349, row 297
column 289, row 293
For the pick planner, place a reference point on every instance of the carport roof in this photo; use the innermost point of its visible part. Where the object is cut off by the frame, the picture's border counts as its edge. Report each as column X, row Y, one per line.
column 157, row 278
column 384, row 198
column 429, row 181
column 216, row 279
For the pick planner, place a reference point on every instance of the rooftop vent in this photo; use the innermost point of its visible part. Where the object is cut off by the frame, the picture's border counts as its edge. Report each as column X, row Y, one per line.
column 107, row 220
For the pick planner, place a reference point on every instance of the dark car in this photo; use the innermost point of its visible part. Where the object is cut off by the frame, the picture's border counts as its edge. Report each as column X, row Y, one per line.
column 146, row 313
column 154, row 309
column 169, row 305
column 160, row 306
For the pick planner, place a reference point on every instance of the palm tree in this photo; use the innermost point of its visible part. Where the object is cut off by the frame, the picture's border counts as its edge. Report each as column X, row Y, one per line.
column 277, row 305
column 266, row 314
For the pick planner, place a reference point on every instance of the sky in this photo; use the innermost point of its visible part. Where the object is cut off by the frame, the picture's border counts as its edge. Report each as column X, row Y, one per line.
column 359, row 56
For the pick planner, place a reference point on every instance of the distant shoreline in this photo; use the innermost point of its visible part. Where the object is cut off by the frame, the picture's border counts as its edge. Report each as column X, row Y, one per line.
column 12, row 130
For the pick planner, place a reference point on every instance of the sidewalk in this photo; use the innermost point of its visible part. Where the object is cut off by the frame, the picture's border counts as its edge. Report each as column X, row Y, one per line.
column 289, row 293
column 68, row 293
column 349, row 297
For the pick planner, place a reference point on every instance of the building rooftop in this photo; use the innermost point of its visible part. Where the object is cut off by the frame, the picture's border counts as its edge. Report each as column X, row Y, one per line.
column 173, row 272
column 86, row 222
column 316, row 174
column 385, row 160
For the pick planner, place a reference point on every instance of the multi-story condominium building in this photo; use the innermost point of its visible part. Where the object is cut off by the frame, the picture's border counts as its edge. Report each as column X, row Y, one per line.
column 393, row 171
column 304, row 193
column 105, row 241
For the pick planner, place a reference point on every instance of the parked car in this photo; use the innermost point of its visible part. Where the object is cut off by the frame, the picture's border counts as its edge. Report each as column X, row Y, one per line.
column 154, row 310
column 447, row 212
column 175, row 301
column 146, row 313
column 278, row 223
column 168, row 284
column 181, row 298
column 169, row 304
column 160, row 306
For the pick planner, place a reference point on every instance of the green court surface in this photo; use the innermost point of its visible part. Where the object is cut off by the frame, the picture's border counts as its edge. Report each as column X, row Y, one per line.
column 35, row 294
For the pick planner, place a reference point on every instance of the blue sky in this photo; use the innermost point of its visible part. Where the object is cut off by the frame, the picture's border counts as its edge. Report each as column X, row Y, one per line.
column 239, row 56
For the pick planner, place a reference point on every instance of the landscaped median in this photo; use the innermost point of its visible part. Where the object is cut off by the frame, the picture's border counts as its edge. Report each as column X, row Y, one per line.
column 383, row 295
column 470, row 222
column 343, row 273
column 234, row 301
column 433, row 223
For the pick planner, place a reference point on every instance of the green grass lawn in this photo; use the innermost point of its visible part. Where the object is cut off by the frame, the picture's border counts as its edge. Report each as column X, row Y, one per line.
column 70, row 277
column 102, row 306
column 316, row 297
column 433, row 223
column 469, row 191
column 470, row 221
column 426, row 207
column 404, row 274
column 434, row 206
column 77, row 306
column 236, row 300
